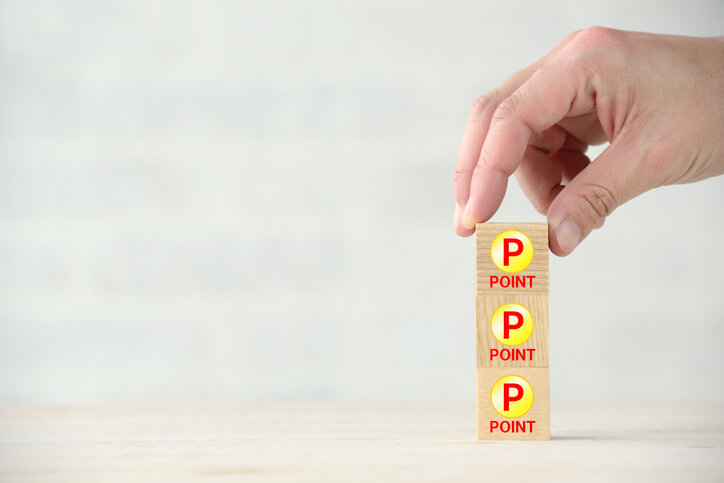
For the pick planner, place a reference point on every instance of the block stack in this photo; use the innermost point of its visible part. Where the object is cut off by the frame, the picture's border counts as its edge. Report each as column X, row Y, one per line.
column 512, row 331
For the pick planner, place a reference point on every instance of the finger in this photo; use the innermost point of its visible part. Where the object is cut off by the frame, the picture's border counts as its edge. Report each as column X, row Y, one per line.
column 549, row 95
column 458, row 222
column 473, row 135
column 586, row 127
column 571, row 163
column 554, row 139
column 592, row 195
column 542, row 176
column 479, row 117
column 538, row 175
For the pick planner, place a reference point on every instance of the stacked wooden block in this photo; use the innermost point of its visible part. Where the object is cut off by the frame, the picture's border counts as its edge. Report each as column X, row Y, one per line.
column 512, row 331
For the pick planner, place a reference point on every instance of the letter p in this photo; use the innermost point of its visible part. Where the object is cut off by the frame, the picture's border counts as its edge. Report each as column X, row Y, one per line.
column 508, row 251
column 507, row 326
column 508, row 389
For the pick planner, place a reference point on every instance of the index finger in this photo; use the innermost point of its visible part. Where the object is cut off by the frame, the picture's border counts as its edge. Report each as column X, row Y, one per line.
column 476, row 130
column 553, row 92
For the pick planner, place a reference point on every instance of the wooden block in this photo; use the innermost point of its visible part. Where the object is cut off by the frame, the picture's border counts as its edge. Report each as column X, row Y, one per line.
column 534, row 424
column 491, row 352
column 491, row 279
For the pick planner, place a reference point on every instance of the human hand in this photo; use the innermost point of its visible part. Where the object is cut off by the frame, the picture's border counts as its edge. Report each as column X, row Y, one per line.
column 658, row 100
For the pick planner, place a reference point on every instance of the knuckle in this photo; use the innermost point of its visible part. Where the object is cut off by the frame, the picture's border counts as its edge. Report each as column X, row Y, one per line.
column 568, row 38
column 506, row 109
column 596, row 38
column 598, row 35
column 482, row 104
column 598, row 202
column 597, row 49
column 573, row 34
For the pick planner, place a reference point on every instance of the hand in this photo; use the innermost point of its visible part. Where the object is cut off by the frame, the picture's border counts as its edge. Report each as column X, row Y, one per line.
column 658, row 100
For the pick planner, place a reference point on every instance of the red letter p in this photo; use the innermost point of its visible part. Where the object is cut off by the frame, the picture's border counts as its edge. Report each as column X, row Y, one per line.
column 508, row 398
column 507, row 326
column 507, row 252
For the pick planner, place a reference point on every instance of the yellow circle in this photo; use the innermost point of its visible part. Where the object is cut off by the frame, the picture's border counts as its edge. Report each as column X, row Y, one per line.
column 512, row 251
column 511, row 396
column 511, row 324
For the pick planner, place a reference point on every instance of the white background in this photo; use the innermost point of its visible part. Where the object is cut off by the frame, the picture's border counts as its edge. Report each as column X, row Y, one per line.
column 245, row 201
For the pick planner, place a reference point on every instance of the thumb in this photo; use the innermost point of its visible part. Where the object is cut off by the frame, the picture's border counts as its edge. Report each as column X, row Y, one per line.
column 616, row 176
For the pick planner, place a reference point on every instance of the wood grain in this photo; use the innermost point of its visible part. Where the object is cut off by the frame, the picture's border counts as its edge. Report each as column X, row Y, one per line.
column 538, row 307
column 540, row 411
column 535, row 299
column 485, row 233
column 352, row 442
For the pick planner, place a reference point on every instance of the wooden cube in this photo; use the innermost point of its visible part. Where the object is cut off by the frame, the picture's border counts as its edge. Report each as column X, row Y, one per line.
column 491, row 352
column 534, row 424
column 487, row 271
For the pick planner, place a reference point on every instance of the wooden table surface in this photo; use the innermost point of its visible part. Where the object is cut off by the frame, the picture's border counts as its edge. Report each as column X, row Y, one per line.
column 354, row 442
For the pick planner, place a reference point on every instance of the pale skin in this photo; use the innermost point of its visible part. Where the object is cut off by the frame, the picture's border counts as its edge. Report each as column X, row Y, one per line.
column 657, row 99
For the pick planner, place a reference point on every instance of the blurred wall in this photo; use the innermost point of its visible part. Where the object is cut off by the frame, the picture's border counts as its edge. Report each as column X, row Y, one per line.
column 228, row 200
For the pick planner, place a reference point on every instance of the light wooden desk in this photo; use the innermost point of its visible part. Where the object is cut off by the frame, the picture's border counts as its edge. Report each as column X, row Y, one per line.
column 354, row 442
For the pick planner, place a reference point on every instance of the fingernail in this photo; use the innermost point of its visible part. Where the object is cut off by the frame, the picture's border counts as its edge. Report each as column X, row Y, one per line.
column 569, row 235
column 468, row 221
